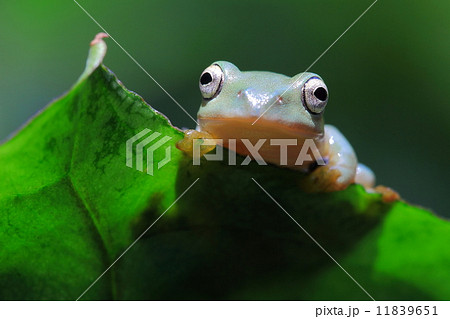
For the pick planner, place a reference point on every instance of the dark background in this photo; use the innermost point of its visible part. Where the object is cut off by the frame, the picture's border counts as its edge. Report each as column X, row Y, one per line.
column 388, row 76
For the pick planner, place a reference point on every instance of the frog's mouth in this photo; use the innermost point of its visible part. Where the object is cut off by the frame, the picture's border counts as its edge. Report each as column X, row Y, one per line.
column 245, row 128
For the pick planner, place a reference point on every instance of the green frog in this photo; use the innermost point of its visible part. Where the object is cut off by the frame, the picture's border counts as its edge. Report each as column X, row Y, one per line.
column 240, row 109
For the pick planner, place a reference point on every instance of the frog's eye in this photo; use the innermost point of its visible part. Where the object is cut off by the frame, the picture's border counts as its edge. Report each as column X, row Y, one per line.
column 315, row 95
column 211, row 81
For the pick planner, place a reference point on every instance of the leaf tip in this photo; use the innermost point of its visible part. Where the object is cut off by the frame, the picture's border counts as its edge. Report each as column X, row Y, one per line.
column 99, row 38
column 96, row 54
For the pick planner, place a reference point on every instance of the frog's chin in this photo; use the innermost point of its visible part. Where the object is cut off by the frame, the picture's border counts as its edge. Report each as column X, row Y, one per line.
column 247, row 128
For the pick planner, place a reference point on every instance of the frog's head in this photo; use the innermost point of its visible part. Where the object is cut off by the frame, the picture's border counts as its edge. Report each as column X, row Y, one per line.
column 278, row 102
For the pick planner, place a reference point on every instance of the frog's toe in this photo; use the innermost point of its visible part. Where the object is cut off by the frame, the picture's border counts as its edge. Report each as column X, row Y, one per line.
column 388, row 194
column 364, row 176
column 194, row 143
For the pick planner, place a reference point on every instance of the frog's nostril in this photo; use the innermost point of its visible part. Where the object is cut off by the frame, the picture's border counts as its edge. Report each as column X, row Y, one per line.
column 279, row 100
column 321, row 93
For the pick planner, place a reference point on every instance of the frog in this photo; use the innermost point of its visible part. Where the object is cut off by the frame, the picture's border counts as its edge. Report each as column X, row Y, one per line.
column 242, row 108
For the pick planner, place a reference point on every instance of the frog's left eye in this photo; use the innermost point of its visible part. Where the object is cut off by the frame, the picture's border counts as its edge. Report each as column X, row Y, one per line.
column 211, row 81
column 315, row 95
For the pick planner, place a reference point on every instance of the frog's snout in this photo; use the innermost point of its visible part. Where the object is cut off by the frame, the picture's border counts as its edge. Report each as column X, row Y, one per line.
column 257, row 101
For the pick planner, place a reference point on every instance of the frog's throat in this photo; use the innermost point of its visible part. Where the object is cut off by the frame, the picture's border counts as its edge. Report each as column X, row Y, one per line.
column 238, row 129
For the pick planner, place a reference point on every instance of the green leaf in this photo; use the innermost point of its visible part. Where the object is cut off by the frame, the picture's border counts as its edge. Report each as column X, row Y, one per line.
column 70, row 205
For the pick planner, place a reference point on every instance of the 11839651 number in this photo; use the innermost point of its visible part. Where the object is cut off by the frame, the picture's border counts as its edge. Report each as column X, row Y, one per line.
column 407, row 310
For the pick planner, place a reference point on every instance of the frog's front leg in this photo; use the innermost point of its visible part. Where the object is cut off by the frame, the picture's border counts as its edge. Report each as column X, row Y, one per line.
column 341, row 164
column 193, row 143
column 343, row 169
column 343, row 159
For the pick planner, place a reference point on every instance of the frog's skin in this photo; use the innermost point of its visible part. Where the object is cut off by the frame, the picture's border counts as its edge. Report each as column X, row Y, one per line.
column 292, row 108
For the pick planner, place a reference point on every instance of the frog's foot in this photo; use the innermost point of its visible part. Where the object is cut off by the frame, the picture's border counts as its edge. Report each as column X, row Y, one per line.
column 193, row 143
column 388, row 195
column 322, row 179
column 340, row 168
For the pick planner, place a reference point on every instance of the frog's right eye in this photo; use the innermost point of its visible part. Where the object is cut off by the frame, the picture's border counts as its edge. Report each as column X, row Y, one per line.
column 211, row 82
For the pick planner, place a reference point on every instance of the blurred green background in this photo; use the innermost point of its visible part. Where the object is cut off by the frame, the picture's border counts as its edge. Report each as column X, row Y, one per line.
column 388, row 76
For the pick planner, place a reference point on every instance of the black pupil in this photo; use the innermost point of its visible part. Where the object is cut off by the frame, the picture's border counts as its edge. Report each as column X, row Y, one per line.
column 320, row 93
column 206, row 78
